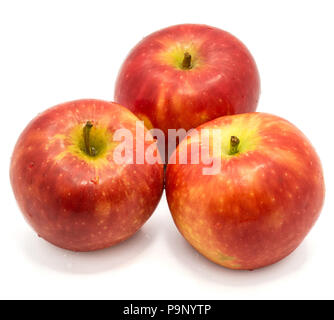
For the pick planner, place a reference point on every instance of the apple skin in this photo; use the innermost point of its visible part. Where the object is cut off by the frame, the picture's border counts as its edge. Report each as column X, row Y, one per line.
column 261, row 204
column 70, row 200
column 224, row 79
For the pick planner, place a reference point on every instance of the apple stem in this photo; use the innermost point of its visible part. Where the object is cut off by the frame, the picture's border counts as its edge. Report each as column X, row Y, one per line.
column 186, row 63
column 234, row 144
column 86, row 133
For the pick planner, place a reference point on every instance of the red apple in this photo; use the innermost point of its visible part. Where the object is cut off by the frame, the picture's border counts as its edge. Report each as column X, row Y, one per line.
column 67, row 184
column 185, row 75
column 261, row 202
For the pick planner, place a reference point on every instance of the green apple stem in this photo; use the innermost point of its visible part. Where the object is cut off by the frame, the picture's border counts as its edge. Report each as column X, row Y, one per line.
column 186, row 63
column 234, row 144
column 86, row 134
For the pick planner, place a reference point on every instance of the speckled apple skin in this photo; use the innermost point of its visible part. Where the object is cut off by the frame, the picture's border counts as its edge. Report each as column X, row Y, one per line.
column 224, row 80
column 72, row 203
column 260, row 206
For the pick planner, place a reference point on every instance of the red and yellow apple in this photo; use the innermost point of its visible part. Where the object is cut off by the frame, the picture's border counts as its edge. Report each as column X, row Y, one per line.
column 185, row 75
column 67, row 184
column 263, row 200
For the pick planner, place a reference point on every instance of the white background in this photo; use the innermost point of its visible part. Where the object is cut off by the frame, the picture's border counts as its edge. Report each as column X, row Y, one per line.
column 55, row 51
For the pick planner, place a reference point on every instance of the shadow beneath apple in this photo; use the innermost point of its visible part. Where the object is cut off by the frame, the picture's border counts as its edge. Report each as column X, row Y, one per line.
column 210, row 271
column 46, row 254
